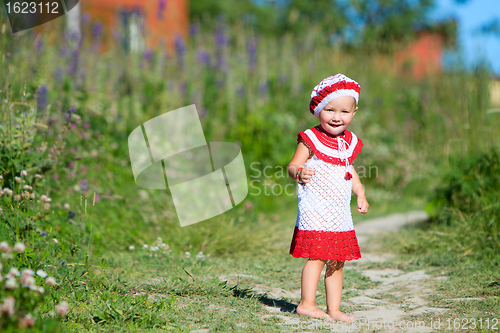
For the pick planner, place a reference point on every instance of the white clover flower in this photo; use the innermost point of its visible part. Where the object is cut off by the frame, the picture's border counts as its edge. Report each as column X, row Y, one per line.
column 43, row 197
column 131, row 248
column 41, row 273
column 154, row 248
column 66, row 206
column 33, row 195
column 187, row 254
column 62, row 308
column 48, row 200
column 54, row 240
column 24, row 173
column 18, row 180
column 4, row 246
column 10, row 283
column 46, row 206
column 17, row 198
column 13, row 272
column 200, row 256
column 19, row 247
column 145, row 246
column 50, row 281
column 27, row 271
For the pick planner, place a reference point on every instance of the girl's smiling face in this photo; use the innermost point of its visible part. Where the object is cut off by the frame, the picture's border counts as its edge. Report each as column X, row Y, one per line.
column 337, row 115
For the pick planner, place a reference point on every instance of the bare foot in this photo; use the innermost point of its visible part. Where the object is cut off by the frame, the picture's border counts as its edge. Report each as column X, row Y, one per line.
column 340, row 316
column 311, row 311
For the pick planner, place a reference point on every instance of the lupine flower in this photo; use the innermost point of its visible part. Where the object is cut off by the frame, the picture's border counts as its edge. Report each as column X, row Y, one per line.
column 24, row 173
column 38, row 45
column 97, row 30
column 203, row 58
column 62, row 308
column 252, row 53
column 193, row 29
column 161, row 8
column 75, row 58
column 41, row 97
column 19, row 247
column 50, row 281
column 58, row 73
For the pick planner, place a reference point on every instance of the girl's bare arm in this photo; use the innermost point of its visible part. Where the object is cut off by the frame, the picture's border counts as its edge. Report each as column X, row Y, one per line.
column 299, row 159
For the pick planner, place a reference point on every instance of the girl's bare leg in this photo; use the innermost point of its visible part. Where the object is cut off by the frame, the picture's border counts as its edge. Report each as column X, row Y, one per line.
column 333, row 286
column 310, row 278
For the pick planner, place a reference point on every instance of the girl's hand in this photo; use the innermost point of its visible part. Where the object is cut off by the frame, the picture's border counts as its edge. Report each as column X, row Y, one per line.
column 306, row 174
column 362, row 204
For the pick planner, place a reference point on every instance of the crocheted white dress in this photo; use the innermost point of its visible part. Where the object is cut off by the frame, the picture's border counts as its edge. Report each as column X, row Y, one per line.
column 324, row 227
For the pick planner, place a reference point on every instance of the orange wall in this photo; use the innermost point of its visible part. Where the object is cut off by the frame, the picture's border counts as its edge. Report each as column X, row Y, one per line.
column 423, row 55
column 174, row 22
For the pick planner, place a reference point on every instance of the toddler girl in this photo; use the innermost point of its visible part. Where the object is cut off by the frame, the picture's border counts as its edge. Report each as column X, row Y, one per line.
column 322, row 164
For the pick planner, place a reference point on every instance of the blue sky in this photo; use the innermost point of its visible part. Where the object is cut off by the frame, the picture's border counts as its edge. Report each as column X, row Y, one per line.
column 471, row 17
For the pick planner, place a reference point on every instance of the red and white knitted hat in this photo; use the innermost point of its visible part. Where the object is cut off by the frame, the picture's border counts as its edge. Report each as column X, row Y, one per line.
column 331, row 88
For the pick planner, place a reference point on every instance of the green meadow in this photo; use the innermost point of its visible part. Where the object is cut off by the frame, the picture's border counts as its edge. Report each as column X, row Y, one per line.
column 121, row 260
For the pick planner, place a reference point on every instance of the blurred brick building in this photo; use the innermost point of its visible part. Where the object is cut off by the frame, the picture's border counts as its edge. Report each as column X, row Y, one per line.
column 423, row 56
column 140, row 24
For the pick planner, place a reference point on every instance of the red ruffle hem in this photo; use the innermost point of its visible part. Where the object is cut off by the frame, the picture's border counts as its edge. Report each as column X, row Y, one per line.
column 317, row 244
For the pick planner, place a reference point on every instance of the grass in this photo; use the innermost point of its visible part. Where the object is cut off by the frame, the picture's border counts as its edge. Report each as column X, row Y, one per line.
column 412, row 132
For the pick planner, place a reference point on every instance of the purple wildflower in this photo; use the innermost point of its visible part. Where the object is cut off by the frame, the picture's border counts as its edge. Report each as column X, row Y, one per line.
column 263, row 88
column 58, row 74
column 42, row 100
column 97, row 30
column 183, row 88
column 161, row 8
column 180, row 47
column 252, row 53
column 203, row 113
column 148, row 54
column 85, row 18
column 83, row 185
column 75, row 57
column 56, row 176
column 71, row 214
column 193, row 29
column 38, row 45
column 241, row 90
column 71, row 164
column 43, row 233
column 204, row 58
column 220, row 36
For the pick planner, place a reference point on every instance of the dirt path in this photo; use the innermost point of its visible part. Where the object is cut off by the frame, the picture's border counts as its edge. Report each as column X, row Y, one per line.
column 392, row 306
